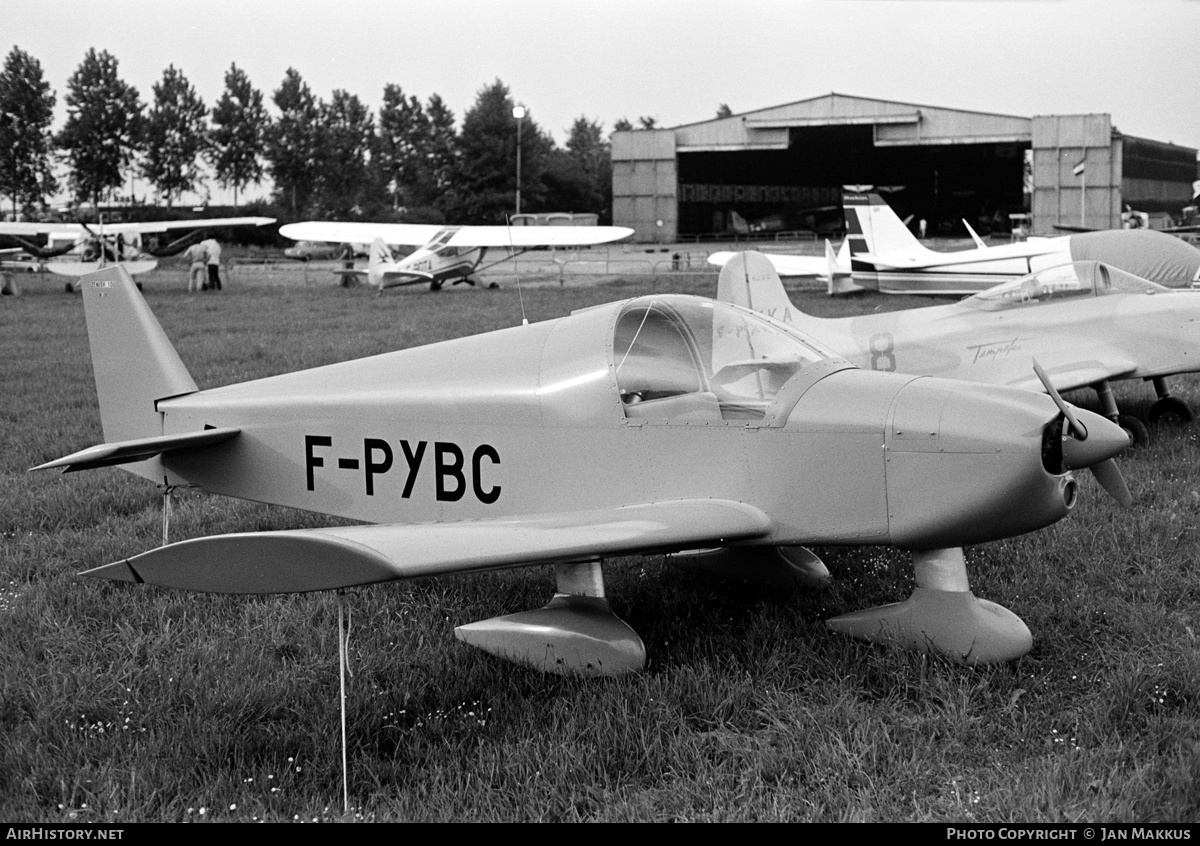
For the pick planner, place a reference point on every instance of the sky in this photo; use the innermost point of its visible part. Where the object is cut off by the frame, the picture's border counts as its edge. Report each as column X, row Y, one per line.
column 673, row 60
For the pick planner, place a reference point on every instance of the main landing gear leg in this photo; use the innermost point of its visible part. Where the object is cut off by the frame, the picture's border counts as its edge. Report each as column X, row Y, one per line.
column 1136, row 428
column 942, row 616
column 575, row 634
column 1168, row 409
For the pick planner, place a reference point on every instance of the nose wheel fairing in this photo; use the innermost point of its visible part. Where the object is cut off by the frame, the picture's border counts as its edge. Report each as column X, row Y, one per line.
column 942, row 617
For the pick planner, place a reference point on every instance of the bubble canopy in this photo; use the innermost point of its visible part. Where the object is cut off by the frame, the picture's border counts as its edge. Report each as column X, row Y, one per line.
column 1066, row 281
column 689, row 358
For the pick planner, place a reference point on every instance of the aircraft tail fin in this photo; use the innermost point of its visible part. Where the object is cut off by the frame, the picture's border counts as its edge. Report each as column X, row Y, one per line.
column 380, row 262
column 134, row 363
column 839, row 279
column 872, row 226
column 751, row 281
column 739, row 223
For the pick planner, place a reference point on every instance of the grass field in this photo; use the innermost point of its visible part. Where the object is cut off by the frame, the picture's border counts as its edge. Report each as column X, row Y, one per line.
column 120, row 703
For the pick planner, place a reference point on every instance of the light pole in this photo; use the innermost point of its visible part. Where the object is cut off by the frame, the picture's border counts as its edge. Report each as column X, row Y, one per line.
column 519, row 114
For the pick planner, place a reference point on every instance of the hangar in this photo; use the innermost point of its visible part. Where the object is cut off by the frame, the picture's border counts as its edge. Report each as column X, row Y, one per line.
column 781, row 169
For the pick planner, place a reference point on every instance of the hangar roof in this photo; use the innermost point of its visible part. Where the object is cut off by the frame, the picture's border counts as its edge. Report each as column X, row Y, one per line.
column 895, row 124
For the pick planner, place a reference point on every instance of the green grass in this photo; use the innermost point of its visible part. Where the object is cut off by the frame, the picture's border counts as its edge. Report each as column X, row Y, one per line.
column 120, row 703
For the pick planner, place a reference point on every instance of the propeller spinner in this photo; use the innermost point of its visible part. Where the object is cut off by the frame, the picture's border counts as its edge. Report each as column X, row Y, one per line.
column 1093, row 450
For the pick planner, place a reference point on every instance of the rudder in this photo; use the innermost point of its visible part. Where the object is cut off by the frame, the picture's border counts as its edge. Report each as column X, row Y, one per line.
column 134, row 363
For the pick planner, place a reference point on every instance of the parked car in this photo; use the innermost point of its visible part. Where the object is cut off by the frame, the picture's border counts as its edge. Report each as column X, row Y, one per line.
column 308, row 250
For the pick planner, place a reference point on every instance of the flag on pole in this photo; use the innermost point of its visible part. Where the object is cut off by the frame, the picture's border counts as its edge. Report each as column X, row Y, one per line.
column 1079, row 167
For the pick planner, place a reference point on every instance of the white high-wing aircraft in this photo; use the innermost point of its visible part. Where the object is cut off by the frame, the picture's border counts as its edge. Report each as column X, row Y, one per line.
column 88, row 247
column 886, row 256
column 1088, row 323
column 445, row 253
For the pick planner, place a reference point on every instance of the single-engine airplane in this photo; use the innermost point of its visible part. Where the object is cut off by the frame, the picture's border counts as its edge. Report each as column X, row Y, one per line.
column 1086, row 322
column 654, row 425
column 886, row 256
column 444, row 253
column 92, row 246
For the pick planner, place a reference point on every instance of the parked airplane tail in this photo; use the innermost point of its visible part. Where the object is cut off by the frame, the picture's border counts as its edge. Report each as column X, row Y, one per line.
column 135, row 366
column 751, row 281
column 873, row 228
column 839, row 279
column 379, row 263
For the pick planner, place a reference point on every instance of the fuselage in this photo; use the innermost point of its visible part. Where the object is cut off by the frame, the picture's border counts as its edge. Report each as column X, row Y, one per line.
column 1135, row 335
column 635, row 402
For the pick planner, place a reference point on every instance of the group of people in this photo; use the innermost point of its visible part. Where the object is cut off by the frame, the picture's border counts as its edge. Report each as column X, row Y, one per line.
column 204, row 260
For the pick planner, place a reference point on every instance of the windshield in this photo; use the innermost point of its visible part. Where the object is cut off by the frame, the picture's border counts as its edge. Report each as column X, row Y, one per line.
column 1054, row 284
column 688, row 358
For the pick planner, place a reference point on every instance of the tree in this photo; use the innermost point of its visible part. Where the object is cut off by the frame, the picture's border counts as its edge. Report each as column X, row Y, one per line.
column 347, row 133
column 239, row 132
column 579, row 178
column 442, row 153
column 26, row 112
column 404, row 139
column 486, row 182
column 648, row 122
column 176, row 133
column 292, row 143
column 723, row 111
column 103, row 128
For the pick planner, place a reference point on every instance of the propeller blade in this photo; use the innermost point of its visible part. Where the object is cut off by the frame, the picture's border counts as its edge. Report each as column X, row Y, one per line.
column 1108, row 474
column 1077, row 428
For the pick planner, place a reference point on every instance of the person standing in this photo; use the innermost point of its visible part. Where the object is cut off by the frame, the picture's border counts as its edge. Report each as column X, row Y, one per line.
column 197, row 259
column 212, row 251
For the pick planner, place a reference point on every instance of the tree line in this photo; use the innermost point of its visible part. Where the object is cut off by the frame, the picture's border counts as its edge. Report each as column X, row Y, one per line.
column 330, row 158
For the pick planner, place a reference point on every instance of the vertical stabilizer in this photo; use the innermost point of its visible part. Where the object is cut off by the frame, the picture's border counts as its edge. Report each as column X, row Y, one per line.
column 379, row 263
column 838, row 273
column 749, row 280
column 134, row 363
column 872, row 228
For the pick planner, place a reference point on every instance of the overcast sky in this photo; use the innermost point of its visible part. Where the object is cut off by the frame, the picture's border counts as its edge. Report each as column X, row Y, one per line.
column 675, row 61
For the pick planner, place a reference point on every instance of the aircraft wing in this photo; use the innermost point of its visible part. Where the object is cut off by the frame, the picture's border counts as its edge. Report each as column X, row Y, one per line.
column 785, row 265
column 537, row 236
column 339, row 557
column 145, row 226
column 1082, row 374
column 1029, row 250
column 419, row 234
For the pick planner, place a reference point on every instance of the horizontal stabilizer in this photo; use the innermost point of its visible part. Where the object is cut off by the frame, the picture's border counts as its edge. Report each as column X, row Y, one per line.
column 339, row 557
column 128, row 452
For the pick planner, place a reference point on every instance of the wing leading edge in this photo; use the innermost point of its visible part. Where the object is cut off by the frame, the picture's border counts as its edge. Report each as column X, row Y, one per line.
column 338, row 557
column 420, row 234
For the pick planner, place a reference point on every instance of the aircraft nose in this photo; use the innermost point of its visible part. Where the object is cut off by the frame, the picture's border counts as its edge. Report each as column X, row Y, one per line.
column 965, row 464
column 1105, row 439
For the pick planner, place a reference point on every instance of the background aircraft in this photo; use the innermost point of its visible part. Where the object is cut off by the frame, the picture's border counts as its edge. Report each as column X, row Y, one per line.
column 653, row 425
column 1087, row 323
column 833, row 270
column 447, row 253
column 92, row 246
column 886, row 256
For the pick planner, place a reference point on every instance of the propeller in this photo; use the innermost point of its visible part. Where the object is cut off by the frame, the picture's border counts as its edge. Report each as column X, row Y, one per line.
column 1096, row 453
